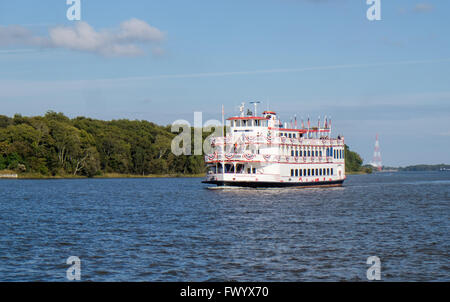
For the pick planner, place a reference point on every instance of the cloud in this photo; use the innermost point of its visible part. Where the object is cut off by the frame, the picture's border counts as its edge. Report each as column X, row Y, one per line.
column 423, row 7
column 19, row 35
column 128, row 40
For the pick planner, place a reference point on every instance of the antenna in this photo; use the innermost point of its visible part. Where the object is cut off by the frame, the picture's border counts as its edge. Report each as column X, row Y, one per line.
column 241, row 109
column 256, row 107
column 377, row 155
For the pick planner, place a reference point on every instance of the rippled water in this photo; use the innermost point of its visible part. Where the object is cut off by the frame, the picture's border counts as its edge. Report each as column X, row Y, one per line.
column 176, row 230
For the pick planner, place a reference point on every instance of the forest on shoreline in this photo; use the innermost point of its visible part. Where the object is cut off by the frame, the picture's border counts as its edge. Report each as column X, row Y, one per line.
column 55, row 145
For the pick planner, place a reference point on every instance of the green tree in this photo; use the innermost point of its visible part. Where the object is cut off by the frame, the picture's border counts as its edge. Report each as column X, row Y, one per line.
column 353, row 162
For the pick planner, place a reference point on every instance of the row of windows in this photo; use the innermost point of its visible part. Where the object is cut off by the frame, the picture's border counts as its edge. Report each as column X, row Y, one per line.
column 306, row 153
column 336, row 153
column 312, row 172
column 249, row 123
column 291, row 135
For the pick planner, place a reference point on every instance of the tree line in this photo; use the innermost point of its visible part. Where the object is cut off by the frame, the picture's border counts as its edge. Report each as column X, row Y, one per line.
column 54, row 144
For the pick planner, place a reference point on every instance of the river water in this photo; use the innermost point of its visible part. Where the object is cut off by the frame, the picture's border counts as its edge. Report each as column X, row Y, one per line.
column 175, row 229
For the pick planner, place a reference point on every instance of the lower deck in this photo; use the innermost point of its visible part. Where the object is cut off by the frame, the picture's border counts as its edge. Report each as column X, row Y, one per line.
column 275, row 174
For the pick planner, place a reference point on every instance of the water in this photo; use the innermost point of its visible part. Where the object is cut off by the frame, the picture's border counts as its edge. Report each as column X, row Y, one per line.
column 176, row 230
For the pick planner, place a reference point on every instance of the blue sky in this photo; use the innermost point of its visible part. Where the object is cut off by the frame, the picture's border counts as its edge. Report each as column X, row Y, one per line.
column 163, row 60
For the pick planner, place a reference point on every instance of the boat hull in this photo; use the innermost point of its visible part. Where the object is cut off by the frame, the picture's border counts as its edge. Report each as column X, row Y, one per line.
column 262, row 184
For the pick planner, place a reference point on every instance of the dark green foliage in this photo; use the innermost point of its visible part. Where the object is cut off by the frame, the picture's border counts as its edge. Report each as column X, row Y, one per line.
column 57, row 145
column 353, row 162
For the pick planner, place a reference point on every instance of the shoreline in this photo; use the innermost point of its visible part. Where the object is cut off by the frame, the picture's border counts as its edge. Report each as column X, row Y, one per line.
column 357, row 173
column 32, row 176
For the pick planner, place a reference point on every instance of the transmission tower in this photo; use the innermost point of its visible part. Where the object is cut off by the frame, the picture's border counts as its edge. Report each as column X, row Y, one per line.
column 376, row 162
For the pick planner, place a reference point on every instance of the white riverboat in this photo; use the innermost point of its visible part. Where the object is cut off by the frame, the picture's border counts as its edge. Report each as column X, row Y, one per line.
column 259, row 151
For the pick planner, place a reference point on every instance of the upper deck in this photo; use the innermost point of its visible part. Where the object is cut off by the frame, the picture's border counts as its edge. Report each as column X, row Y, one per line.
column 266, row 139
column 269, row 125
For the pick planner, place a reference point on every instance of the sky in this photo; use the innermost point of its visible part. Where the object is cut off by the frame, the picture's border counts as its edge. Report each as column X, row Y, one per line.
column 163, row 60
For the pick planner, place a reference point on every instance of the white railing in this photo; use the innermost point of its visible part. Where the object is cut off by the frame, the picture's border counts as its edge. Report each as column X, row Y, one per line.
column 252, row 157
column 244, row 139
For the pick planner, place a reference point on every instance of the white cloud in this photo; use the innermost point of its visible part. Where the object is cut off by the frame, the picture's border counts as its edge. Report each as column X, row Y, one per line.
column 128, row 40
column 138, row 30
column 19, row 35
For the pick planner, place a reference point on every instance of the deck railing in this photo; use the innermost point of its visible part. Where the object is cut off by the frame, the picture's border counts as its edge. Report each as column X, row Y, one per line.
column 252, row 157
column 244, row 139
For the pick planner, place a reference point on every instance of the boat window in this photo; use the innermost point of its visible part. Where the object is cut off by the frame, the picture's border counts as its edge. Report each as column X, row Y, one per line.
column 301, row 172
column 254, row 170
column 309, row 172
column 292, row 172
column 296, row 172
column 332, row 171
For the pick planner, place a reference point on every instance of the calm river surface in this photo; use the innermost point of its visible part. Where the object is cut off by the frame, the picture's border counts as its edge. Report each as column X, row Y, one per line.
column 176, row 230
